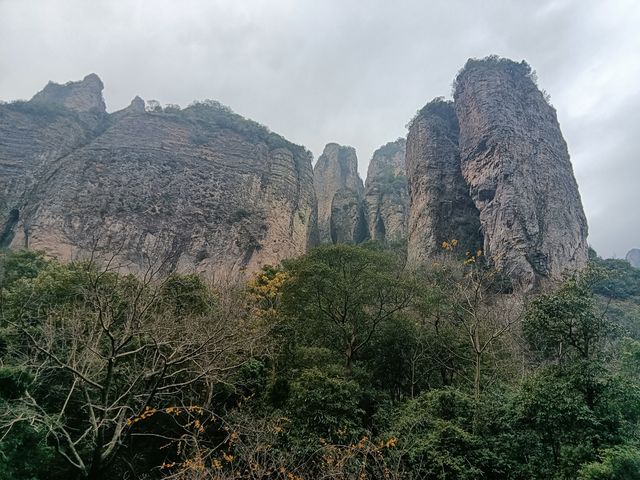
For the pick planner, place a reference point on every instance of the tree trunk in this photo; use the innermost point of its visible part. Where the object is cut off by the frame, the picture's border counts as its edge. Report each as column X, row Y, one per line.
column 476, row 380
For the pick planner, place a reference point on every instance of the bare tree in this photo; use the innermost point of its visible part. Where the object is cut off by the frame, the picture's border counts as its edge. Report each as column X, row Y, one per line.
column 482, row 308
column 110, row 354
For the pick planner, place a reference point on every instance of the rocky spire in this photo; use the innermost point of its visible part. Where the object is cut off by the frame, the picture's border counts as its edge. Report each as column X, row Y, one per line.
column 82, row 96
column 441, row 209
column 386, row 194
column 136, row 105
column 517, row 166
column 633, row 257
column 339, row 190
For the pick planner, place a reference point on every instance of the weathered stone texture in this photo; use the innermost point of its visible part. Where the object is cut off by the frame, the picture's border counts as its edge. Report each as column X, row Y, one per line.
column 82, row 96
column 202, row 189
column 441, row 209
column 339, row 191
column 386, row 193
column 34, row 133
column 517, row 166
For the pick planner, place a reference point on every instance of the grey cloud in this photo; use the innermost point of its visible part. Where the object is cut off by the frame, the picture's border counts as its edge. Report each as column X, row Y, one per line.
column 351, row 71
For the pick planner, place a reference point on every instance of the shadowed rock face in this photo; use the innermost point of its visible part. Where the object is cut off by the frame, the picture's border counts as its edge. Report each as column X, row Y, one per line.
column 633, row 257
column 516, row 164
column 441, row 209
column 386, row 193
column 339, row 191
column 202, row 188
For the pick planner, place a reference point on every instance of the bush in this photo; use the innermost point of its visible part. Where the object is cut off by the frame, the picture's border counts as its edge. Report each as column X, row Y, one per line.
column 620, row 463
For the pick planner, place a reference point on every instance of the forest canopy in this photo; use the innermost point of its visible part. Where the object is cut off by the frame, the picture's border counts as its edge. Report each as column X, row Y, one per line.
column 337, row 364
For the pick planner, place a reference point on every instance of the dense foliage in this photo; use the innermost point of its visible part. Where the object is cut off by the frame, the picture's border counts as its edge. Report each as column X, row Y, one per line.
column 337, row 364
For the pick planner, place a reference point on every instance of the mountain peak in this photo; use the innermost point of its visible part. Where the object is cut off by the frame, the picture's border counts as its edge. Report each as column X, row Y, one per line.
column 80, row 96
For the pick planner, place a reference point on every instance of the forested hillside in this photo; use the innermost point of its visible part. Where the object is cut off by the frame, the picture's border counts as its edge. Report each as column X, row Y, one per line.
column 337, row 364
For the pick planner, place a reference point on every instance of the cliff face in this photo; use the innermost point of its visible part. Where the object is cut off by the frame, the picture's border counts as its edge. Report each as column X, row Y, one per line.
column 200, row 189
column 633, row 257
column 37, row 132
column 441, row 209
column 339, row 191
column 82, row 96
column 204, row 189
column 386, row 193
column 492, row 169
column 517, row 166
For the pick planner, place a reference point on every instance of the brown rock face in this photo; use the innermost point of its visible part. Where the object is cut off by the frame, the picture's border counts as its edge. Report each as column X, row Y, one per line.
column 516, row 164
column 202, row 188
column 339, row 190
column 441, row 209
column 33, row 134
column 386, row 193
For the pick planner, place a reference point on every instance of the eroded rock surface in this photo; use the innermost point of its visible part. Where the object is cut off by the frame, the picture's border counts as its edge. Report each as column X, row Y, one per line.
column 201, row 189
column 386, row 193
column 340, row 194
column 54, row 123
column 517, row 166
column 441, row 208
column 82, row 96
column 633, row 257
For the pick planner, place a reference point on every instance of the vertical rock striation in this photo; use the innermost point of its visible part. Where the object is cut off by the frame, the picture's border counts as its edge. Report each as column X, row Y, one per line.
column 517, row 166
column 55, row 122
column 199, row 189
column 441, row 208
column 386, row 193
column 339, row 191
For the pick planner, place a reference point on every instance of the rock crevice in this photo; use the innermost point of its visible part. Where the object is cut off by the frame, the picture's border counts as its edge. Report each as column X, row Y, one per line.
column 386, row 193
column 493, row 167
column 340, row 195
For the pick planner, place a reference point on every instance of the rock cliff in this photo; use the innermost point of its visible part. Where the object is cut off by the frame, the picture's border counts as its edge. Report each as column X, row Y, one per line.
column 82, row 96
column 57, row 121
column 441, row 208
column 386, row 194
column 517, row 166
column 340, row 194
column 633, row 257
column 492, row 169
column 200, row 188
column 204, row 189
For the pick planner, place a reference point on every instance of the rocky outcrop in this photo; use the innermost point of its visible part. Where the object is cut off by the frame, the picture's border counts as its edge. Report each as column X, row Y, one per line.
column 199, row 189
column 82, row 96
column 339, row 191
column 386, row 194
column 34, row 133
column 633, row 257
column 441, row 209
column 205, row 189
column 517, row 166
column 492, row 168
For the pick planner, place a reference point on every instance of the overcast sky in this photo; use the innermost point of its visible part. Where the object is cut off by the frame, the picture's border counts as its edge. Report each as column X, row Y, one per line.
column 353, row 72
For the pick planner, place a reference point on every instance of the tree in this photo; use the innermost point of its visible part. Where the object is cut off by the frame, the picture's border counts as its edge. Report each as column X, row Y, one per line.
column 567, row 323
column 104, row 351
column 620, row 463
column 342, row 294
column 435, row 437
column 480, row 303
